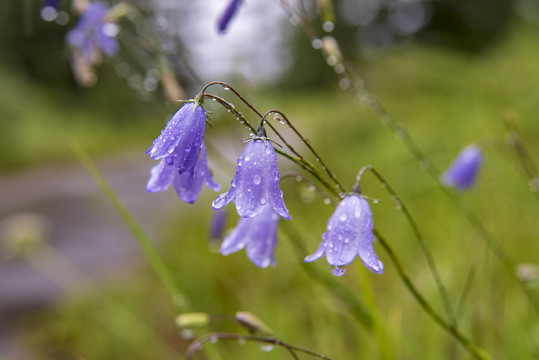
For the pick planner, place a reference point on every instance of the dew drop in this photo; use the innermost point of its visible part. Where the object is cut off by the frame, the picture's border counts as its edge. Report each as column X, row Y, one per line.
column 346, row 241
column 328, row 26
column 268, row 151
column 317, row 44
column 249, row 189
column 266, row 348
column 343, row 217
column 262, row 201
column 169, row 160
column 226, row 88
column 338, row 270
column 187, row 148
column 327, row 201
column 357, row 212
column 257, row 179
column 170, row 149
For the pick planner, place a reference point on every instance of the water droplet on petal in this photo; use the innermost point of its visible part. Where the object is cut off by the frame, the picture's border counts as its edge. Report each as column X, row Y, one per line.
column 262, row 201
column 343, row 217
column 357, row 212
column 187, row 147
column 170, row 149
column 257, row 179
column 338, row 270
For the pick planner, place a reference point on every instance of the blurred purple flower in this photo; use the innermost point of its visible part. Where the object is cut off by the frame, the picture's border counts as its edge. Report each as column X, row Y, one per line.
column 187, row 185
column 256, row 181
column 348, row 234
column 180, row 141
column 92, row 34
column 218, row 223
column 258, row 234
column 228, row 14
column 463, row 171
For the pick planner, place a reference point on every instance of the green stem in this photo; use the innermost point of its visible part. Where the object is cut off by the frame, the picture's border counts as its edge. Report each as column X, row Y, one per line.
column 419, row 236
column 157, row 264
column 473, row 349
column 384, row 345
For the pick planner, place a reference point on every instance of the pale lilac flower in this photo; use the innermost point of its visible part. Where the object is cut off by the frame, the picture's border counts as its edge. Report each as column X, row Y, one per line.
column 463, row 171
column 180, row 141
column 257, row 234
column 92, row 34
column 187, row 185
column 348, row 234
column 256, row 182
column 228, row 14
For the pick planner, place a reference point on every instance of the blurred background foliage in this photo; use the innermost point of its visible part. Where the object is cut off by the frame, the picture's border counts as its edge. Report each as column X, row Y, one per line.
column 450, row 82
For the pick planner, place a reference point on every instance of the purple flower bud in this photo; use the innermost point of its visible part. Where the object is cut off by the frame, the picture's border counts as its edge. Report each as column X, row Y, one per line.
column 92, row 34
column 228, row 14
column 463, row 171
column 180, row 141
column 256, row 182
column 349, row 233
column 187, row 185
column 258, row 234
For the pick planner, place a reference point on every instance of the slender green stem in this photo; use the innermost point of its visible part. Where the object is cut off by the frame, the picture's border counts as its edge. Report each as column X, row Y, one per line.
column 384, row 345
column 419, row 236
column 360, row 91
column 157, row 264
column 217, row 336
column 473, row 349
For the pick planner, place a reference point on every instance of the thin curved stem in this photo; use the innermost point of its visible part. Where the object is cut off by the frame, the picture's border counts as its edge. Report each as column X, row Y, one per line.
column 419, row 236
column 217, row 336
column 357, row 85
column 473, row 349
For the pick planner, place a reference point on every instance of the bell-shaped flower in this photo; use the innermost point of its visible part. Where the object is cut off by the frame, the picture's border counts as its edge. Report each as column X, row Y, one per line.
column 463, row 171
column 228, row 14
column 348, row 234
column 93, row 34
column 256, row 182
column 180, row 141
column 187, row 185
column 257, row 234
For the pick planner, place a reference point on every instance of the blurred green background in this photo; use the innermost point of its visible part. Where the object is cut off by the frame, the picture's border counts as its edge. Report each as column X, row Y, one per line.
column 447, row 96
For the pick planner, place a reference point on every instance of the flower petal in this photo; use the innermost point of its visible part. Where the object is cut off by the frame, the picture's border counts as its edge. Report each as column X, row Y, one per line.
column 463, row 171
column 319, row 252
column 161, row 175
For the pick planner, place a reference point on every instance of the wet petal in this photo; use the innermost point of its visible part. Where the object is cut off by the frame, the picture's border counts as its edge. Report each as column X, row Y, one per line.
column 161, row 176
column 259, row 234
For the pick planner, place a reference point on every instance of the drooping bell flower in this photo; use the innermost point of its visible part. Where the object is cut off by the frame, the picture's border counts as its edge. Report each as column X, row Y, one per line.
column 349, row 234
column 187, row 185
column 180, row 141
column 93, row 34
column 228, row 14
column 257, row 234
column 463, row 171
column 256, row 182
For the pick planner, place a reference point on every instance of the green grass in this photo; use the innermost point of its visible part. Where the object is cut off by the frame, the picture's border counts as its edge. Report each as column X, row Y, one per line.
column 446, row 100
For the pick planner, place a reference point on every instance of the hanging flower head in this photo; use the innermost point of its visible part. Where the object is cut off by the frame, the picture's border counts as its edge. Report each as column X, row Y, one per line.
column 257, row 234
column 256, row 182
column 348, row 234
column 93, row 34
column 228, row 14
column 181, row 140
column 463, row 171
column 187, row 185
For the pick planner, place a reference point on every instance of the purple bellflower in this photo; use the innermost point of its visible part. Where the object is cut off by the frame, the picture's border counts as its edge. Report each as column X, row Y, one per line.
column 181, row 140
column 227, row 15
column 257, row 234
column 348, row 234
column 187, row 185
column 463, row 171
column 93, row 34
column 256, row 182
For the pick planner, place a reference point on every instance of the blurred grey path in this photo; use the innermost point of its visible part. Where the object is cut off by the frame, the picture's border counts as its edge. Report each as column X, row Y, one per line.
column 83, row 226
